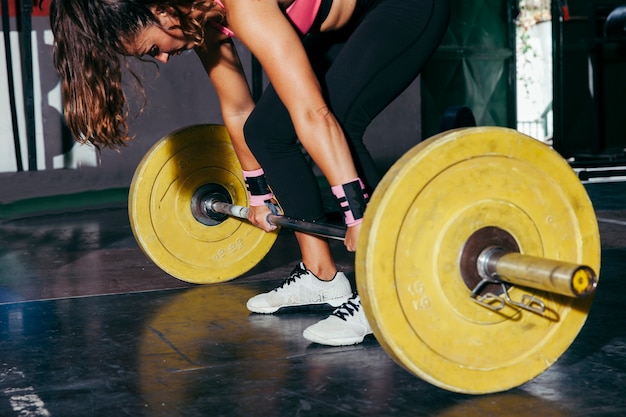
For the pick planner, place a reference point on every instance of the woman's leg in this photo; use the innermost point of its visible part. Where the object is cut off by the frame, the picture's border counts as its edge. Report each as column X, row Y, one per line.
column 271, row 137
column 384, row 54
column 379, row 60
column 316, row 256
column 363, row 68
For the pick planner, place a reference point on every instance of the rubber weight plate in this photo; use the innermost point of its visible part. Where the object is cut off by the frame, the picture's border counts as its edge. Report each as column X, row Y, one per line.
column 408, row 258
column 164, row 189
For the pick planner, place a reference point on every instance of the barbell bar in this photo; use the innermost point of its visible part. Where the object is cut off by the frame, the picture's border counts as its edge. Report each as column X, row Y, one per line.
column 329, row 231
column 442, row 236
column 494, row 264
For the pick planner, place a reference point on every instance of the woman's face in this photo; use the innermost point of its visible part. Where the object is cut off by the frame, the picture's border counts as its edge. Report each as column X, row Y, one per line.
column 161, row 42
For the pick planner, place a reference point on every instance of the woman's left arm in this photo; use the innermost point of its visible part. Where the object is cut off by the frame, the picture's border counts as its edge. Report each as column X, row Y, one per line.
column 265, row 31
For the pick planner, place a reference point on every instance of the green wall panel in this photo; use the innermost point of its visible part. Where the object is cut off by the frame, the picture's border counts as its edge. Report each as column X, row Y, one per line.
column 474, row 66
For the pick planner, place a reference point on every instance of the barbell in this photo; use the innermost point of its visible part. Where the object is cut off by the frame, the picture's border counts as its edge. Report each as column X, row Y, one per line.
column 476, row 264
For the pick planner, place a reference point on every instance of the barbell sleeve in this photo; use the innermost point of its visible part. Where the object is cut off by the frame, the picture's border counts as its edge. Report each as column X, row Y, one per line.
column 554, row 276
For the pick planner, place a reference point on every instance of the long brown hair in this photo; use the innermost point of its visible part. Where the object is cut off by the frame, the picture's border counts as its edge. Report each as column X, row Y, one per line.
column 89, row 45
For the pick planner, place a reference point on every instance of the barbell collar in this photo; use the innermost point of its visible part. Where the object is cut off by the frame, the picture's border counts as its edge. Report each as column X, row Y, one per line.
column 558, row 277
column 319, row 229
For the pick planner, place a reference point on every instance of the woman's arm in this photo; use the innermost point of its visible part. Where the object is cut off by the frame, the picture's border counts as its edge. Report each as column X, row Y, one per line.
column 221, row 62
column 264, row 29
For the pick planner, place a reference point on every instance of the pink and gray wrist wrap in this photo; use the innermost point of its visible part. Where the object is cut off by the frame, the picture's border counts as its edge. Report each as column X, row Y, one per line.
column 258, row 190
column 353, row 199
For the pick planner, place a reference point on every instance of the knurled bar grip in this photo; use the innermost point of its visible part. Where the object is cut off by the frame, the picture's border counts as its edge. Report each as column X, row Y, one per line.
column 319, row 229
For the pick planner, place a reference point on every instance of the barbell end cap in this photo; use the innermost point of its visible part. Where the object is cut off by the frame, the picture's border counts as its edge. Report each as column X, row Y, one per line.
column 584, row 281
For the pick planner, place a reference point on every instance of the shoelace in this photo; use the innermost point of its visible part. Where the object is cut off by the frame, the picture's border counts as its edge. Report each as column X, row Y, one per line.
column 295, row 274
column 347, row 309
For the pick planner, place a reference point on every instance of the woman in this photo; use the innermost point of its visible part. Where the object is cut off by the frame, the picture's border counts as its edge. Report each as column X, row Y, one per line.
column 333, row 66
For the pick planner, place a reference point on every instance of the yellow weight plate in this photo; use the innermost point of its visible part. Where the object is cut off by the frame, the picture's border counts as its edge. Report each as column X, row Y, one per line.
column 408, row 259
column 162, row 191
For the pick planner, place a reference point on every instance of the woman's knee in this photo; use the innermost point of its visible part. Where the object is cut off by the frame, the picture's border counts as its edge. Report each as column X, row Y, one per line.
column 254, row 133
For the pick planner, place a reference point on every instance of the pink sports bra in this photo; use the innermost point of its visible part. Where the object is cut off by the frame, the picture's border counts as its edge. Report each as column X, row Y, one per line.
column 301, row 13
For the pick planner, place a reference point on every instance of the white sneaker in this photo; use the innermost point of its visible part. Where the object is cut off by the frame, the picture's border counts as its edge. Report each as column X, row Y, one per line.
column 302, row 288
column 347, row 325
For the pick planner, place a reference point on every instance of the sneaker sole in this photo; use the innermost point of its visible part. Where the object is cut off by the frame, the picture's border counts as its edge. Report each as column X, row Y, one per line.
column 337, row 302
column 332, row 342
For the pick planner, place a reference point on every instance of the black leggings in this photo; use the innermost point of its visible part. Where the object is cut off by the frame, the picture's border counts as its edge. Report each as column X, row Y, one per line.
column 362, row 68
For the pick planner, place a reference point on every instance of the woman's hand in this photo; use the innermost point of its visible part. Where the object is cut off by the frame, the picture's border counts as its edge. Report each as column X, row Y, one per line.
column 258, row 217
column 352, row 237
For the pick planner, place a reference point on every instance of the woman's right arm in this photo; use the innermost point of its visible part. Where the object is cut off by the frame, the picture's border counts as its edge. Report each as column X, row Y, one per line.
column 221, row 62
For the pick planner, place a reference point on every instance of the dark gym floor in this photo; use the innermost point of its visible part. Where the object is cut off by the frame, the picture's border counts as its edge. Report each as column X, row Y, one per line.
column 90, row 327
